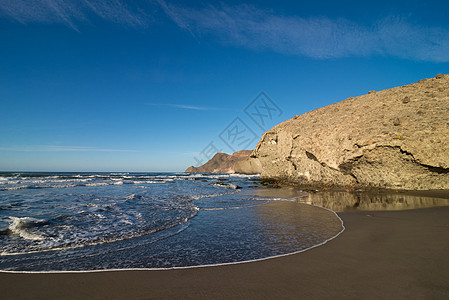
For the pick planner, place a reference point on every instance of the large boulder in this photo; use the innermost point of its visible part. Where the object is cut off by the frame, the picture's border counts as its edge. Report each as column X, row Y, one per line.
column 221, row 163
column 396, row 138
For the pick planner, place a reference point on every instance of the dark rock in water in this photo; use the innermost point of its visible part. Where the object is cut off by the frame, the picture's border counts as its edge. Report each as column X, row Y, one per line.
column 225, row 163
column 366, row 141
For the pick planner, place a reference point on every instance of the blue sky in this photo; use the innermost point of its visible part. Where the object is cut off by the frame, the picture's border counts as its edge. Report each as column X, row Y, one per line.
column 149, row 85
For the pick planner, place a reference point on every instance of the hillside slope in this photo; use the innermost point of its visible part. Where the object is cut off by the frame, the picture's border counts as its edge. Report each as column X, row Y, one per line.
column 221, row 163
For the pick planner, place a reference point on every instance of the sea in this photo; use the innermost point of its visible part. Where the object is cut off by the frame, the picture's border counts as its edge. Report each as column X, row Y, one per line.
column 109, row 221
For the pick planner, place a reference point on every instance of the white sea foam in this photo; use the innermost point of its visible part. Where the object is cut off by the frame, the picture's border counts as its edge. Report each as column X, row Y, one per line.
column 61, row 186
column 34, row 186
column 126, row 221
column 13, row 181
column 198, row 197
column 96, row 184
column 19, row 227
column 13, row 188
column 38, row 181
column 85, row 237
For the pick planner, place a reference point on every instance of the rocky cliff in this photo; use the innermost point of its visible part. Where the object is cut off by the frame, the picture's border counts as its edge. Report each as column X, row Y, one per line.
column 396, row 138
column 250, row 165
column 224, row 163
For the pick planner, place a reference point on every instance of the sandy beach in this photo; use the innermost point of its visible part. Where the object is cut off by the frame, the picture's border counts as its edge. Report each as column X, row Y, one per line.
column 381, row 255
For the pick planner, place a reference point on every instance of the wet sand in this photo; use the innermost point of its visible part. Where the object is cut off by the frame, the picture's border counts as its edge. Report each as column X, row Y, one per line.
column 381, row 255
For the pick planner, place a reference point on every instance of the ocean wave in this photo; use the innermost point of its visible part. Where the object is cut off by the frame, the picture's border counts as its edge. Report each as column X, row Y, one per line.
column 38, row 187
column 53, row 244
column 20, row 227
column 13, row 188
column 101, row 208
column 101, row 222
column 96, row 184
column 150, row 181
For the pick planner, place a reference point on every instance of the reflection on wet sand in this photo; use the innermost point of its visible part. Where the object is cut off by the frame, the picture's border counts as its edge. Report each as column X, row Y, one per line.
column 293, row 226
column 344, row 201
column 340, row 201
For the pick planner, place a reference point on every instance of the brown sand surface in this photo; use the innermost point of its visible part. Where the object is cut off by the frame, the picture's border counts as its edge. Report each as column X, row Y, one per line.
column 381, row 255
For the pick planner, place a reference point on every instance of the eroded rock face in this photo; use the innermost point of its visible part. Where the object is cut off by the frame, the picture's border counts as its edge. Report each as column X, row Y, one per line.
column 224, row 163
column 249, row 165
column 396, row 138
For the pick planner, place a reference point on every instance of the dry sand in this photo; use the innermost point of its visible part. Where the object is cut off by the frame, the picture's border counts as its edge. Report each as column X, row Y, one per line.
column 381, row 255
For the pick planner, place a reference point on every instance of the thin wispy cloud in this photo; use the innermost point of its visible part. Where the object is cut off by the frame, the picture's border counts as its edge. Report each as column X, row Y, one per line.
column 57, row 148
column 172, row 12
column 250, row 27
column 182, row 106
column 315, row 37
column 75, row 12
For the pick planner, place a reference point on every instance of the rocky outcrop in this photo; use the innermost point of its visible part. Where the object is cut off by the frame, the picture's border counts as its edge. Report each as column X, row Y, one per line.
column 250, row 165
column 225, row 163
column 396, row 138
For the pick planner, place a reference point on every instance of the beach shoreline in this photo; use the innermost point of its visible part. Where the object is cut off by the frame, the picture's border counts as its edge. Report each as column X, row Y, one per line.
column 381, row 254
